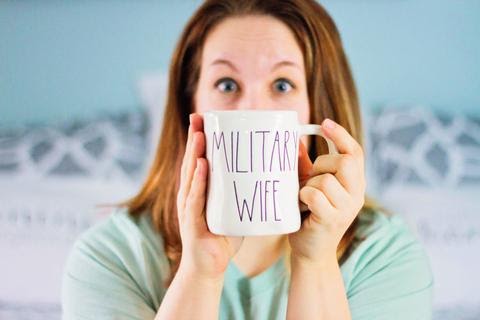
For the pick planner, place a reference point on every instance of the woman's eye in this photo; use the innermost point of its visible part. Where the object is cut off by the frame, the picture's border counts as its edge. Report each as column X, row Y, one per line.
column 226, row 85
column 283, row 85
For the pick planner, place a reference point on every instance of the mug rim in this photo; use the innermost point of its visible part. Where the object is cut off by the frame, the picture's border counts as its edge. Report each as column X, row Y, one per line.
column 251, row 111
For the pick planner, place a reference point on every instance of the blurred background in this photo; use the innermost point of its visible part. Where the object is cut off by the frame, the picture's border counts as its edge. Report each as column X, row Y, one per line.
column 82, row 86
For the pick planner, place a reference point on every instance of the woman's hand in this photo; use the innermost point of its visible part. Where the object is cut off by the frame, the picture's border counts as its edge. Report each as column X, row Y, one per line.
column 333, row 188
column 204, row 254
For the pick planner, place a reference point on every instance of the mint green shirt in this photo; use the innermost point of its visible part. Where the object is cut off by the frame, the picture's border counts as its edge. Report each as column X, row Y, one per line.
column 116, row 268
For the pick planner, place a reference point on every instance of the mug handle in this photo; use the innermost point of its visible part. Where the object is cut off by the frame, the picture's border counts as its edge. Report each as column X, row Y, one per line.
column 315, row 129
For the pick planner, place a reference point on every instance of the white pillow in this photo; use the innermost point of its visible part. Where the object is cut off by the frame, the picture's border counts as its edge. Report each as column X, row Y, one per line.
column 447, row 222
column 39, row 220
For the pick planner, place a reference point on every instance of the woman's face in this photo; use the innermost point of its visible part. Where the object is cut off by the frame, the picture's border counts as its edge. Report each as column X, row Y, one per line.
column 252, row 62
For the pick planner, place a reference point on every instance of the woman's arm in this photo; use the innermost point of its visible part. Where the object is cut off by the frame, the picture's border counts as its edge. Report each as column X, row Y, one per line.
column 317, row 291
column 190, row 296
column 197, row 286
column 334, row 192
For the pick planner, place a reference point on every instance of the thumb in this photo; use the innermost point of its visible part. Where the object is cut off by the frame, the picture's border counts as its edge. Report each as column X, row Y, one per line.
column 304, row 164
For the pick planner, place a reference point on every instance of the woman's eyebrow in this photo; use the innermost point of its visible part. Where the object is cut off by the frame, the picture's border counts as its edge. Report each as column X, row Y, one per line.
column 286, row 63
column 277, row 65
column 225, row 62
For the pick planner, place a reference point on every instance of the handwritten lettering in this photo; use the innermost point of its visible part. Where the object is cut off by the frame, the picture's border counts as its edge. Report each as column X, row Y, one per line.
column 256, row 151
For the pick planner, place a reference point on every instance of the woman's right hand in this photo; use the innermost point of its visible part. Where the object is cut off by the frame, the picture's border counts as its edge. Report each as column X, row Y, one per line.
column 204, row 254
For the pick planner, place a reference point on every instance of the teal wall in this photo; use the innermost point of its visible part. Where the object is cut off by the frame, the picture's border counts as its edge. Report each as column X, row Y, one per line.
column 66, row 59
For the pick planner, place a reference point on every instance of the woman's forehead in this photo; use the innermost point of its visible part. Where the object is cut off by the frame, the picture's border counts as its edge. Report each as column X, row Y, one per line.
column 260, row 37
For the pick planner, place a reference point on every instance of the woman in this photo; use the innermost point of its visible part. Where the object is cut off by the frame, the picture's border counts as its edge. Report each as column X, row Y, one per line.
column 155, row 257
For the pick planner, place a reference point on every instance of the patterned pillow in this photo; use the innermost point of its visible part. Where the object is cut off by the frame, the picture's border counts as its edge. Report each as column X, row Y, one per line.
column 108, row 146
column 417, row 146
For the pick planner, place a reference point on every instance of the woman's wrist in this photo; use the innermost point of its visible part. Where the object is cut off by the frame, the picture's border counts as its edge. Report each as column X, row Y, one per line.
column 194, row 277
column 316, row 289
column 191, row 296
column 327, row 262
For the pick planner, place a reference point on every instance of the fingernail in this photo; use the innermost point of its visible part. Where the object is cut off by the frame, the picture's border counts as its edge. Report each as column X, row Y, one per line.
column 190, row 118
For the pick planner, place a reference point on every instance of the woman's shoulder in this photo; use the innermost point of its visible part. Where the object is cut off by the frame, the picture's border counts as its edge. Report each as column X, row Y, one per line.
column 386, row 246
column 374, row 222
column 119, row 248
column 381, row 233
column 123, row 238
column 384, row 230
column 116, row 264
column 121, row 228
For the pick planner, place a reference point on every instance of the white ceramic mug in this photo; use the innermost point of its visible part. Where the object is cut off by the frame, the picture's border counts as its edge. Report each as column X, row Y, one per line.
column 253, row 171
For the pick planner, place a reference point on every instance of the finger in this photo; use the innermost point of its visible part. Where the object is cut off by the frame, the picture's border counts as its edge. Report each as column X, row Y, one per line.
column 344, row 166
column 304, row 163
column 197, row 151
column 317, row 203
column 189, row 158
column 196, row 124
column 331, row 188
column 187, row 147
column 341, row 138
column 181, row 191
column 195, row 204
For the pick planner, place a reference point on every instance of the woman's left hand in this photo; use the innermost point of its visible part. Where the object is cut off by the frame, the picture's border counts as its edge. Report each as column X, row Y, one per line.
column 333, row 188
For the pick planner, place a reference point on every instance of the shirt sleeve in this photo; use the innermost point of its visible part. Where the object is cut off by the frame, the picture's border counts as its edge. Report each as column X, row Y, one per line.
column 104, row 279
column 393, row 279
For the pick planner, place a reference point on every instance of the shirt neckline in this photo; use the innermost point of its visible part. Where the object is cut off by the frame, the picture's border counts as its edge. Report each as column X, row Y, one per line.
column 250, row 286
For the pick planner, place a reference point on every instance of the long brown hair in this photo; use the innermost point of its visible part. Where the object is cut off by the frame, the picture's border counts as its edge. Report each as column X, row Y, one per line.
column 331, row 92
